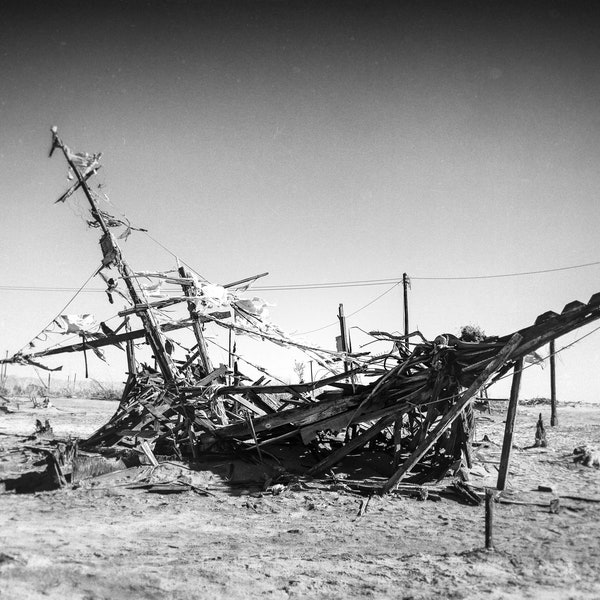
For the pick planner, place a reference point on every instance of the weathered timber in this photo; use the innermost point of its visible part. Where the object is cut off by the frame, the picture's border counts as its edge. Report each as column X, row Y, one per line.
column 489, row 519
column 510, row 425
column 297, row 388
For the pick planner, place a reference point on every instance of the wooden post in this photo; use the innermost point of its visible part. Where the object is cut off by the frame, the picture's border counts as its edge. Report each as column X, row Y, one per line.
column 553, row 415
column 510, row 425
column 130, row 349
column 190, row 290
column 405, row 284
column 84, row 355
column 489, row 518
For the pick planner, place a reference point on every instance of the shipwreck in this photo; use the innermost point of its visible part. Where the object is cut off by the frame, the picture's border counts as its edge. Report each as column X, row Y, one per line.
column 412, row 404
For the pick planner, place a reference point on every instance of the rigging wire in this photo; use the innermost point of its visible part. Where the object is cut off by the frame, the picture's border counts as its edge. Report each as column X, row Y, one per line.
column 95, row 272
column 175, row 256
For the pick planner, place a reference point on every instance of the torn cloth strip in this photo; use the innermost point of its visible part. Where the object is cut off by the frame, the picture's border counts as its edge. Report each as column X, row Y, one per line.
column 257, row 307
column 110, row 250
column 77, row 323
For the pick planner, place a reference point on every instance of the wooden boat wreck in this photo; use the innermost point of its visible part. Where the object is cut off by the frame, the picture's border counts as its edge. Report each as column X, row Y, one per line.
column 412, row 404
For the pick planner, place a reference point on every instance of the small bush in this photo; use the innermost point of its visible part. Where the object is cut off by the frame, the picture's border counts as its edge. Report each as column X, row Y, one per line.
column 471, row 333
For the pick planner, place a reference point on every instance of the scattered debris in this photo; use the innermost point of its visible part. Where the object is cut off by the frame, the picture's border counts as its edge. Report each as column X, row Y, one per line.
column 588, row 456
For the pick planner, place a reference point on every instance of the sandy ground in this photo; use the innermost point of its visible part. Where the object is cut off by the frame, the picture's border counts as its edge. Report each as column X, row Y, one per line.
column 110, row 543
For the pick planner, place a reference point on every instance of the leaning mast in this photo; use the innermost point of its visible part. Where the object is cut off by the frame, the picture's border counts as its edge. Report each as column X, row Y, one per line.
column 112, row 255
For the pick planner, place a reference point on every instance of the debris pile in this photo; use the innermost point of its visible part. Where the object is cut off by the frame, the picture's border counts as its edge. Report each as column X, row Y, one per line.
column 412, row 404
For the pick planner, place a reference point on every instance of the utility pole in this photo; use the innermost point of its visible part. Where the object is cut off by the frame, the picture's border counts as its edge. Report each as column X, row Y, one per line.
column 343, row 339
column 405, row 285
column 553, row 415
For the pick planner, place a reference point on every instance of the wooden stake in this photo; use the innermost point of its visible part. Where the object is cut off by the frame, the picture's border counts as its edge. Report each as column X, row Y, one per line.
column 510, row 425
column 489, row 518
column 553, row 415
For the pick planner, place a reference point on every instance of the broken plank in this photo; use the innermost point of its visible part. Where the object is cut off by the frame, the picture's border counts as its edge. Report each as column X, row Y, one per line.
column 148, row 452
column 353, row 444
column 292, row 388
column 247, row 404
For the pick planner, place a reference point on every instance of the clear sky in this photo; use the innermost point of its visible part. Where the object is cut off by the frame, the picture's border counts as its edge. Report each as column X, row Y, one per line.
column 321, row 142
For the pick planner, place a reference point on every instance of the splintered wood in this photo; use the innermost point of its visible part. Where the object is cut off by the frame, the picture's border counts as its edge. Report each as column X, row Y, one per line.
column 416, row 408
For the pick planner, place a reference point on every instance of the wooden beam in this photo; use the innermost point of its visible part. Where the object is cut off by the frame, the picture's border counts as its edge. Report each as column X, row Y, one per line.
column 189, row 290
column 354, row 444
column 509, row 428
column 249, row 405
column 453, row 413
column 283, row 389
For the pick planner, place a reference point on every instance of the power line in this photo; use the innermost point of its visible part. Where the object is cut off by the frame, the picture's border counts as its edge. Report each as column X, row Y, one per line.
column 330, row 284
column 353, row 313
column 23, row 288
column 518, row 274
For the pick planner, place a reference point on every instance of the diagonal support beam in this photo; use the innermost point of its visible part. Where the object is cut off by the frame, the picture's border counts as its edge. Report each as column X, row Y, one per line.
column 511, row 417
column 355, row 443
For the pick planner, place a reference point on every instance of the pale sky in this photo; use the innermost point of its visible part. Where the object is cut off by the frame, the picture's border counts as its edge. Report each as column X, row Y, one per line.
column 322, row 142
